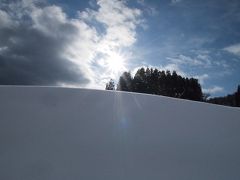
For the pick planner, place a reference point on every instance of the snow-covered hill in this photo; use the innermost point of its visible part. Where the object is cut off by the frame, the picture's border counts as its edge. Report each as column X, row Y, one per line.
column 79, row 134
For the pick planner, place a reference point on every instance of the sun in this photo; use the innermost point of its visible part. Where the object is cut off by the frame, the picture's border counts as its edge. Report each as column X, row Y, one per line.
column 116, row 62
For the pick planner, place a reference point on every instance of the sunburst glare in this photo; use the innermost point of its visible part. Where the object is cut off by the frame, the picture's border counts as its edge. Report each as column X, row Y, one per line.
column 116, row 62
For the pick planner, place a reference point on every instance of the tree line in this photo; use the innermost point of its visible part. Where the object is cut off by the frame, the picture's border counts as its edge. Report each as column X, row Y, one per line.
column 229, row 100
column 166, row 83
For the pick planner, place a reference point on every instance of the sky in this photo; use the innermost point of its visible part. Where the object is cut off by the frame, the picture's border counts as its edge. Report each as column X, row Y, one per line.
column 86, row 43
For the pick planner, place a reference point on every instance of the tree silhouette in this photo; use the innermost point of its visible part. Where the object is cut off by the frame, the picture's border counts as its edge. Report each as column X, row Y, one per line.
column 153, row 81
column 237, row 96
column 110, row 85
column 125, row 82
column 229, row 100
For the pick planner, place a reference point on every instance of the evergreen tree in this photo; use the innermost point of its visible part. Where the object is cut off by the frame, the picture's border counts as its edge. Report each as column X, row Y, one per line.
column 153, row 81
column 237, row 96
column 139, row 81
column 125, row 82
column 161, row 83
column 229, row 100
column 205, row 97
column 110, row 85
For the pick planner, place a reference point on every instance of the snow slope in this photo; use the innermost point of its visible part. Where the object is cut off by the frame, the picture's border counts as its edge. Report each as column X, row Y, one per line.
column 51, row 133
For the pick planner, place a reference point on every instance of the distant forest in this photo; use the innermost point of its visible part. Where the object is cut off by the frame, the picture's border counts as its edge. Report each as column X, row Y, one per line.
column 166, row 83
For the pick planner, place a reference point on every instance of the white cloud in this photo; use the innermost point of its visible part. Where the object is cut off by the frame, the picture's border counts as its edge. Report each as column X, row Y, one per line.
column 148, row 9
column 49, row 19
column 3, row 48
column 5, row 20
column 213, row 90
column 175, row 1
column 115, row 12
column 202, row 78
column 141, row 2
column 120, row 24
column 173, row 67
column 234, row 49
column 182, row 59
column 75, row 40
column 200, row 60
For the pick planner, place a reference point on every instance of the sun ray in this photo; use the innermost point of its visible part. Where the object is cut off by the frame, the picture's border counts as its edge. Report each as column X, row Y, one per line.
column 116, row 63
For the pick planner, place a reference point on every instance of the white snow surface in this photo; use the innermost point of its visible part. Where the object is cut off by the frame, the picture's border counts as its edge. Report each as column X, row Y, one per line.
column 49, row 133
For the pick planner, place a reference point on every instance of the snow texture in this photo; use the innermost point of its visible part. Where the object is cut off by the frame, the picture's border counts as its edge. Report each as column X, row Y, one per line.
column 68, row 134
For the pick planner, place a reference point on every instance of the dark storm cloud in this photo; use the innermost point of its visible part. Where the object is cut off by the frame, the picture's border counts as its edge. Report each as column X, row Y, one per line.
column 30, row 56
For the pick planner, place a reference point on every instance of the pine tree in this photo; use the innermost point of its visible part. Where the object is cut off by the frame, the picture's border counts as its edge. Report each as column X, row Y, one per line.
column 125, row 82
column 161, row 83
column 110, row 85
column 237, row 96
